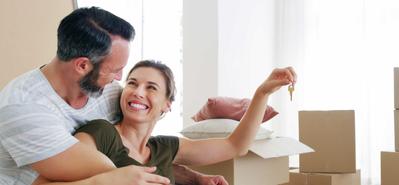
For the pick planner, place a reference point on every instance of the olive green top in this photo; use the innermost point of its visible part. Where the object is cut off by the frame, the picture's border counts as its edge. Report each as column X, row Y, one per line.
column 108, row 141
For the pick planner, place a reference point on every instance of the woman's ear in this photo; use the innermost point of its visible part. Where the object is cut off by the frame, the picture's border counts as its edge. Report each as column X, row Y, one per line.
column 82, row 65
column 168, row 106
column 166, row 109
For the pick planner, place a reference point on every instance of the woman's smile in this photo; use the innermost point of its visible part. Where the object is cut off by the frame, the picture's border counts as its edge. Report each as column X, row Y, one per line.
column 137, row 105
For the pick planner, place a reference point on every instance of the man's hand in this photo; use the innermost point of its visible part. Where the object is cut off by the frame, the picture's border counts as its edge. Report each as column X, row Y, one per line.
column 211, row 180
column 131, row 175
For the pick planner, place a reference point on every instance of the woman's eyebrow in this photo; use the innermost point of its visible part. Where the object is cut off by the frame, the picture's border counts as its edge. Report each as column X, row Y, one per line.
column 131, row 79
column 153, row 83
column 149, row 82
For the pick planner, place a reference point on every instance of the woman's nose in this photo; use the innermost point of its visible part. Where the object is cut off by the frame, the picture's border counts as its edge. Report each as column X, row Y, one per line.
column 139, row 91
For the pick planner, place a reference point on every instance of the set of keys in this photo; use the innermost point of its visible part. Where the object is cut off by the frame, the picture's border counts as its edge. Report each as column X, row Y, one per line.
column 291, row 90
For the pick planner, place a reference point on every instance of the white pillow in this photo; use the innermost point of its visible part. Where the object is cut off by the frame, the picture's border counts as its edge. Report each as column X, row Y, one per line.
column 218, row 128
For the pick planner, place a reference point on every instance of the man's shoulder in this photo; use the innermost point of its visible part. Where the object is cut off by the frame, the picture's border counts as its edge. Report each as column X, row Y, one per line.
column 14, row 112
column 29, row 84
column 113, row 88
column 112, row 93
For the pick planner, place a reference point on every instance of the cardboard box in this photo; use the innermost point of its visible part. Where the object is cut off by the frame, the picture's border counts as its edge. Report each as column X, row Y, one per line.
column 332, row 135
column 298, row 178
column 396, row 87
column 389, row 168
column 396, row 120
column 265, row 164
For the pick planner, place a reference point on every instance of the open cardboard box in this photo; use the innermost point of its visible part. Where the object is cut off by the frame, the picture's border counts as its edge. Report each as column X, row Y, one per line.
column 265, row 164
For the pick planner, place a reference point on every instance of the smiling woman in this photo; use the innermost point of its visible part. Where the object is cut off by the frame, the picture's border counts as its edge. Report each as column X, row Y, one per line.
column 147, row 96
column 149, row 17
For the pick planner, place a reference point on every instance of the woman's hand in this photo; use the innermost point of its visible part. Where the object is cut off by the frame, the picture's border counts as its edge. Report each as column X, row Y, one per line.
column 278, row 78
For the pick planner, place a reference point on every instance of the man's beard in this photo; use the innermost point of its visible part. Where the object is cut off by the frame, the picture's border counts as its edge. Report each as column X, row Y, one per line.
column 89, row 83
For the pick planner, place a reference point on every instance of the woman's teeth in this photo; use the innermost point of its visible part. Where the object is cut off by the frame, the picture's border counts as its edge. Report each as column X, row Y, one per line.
column 138, row 106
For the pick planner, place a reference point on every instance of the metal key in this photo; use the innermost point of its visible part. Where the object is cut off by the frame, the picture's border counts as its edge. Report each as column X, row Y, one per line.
column 291, row 90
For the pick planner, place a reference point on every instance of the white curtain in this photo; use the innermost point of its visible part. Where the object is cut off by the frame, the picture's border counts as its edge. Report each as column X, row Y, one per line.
column 344, row 52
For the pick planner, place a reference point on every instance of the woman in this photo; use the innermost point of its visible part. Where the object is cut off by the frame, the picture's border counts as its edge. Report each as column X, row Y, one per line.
column 146, row 98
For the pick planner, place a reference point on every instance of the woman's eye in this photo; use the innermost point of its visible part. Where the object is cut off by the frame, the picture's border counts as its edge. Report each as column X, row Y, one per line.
column 131, row 83
column 152, row 88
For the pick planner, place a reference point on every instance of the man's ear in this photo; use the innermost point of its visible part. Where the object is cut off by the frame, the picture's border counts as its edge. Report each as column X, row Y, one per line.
column 82, row 65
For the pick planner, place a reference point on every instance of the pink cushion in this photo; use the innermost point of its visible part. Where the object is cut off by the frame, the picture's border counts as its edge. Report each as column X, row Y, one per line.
column 228, row 108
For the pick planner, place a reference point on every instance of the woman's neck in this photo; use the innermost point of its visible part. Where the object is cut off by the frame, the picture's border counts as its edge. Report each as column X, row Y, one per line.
column 135, row 137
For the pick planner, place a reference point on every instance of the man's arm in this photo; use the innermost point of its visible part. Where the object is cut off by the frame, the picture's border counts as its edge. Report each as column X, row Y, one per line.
column 129, row 175
column 82, row 163
column 35, row 136
column 187, row 176
column 85, row 165
column 75, row 163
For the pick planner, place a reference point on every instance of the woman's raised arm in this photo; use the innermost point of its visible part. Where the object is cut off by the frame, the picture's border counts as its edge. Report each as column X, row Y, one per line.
column 208, row 151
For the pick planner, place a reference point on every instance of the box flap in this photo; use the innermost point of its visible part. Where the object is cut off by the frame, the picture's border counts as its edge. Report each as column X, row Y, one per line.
column 278, row 147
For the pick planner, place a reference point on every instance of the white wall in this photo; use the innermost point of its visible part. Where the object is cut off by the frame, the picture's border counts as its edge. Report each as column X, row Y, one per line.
column 200, row 54
column 227, row 49
column 246, row 45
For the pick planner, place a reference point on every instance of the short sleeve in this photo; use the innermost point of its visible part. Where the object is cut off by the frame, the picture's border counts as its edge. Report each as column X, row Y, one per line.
column 105, row 136
column 166, row 145
column 31, row 133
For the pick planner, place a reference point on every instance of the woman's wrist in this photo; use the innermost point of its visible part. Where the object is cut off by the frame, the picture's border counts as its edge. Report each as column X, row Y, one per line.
column 262, row 92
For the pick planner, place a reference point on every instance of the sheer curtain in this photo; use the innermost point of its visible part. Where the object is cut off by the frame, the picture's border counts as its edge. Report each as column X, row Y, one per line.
column 344, row 52
column 159, row 37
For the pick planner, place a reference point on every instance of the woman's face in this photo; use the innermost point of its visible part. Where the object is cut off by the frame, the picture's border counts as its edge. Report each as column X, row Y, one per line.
column 144, row 97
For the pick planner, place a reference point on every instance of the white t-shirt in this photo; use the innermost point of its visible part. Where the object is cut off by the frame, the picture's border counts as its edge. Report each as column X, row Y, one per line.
column 35, row 123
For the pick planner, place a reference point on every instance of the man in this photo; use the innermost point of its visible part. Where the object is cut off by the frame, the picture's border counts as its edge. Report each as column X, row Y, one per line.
column 40, row 109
